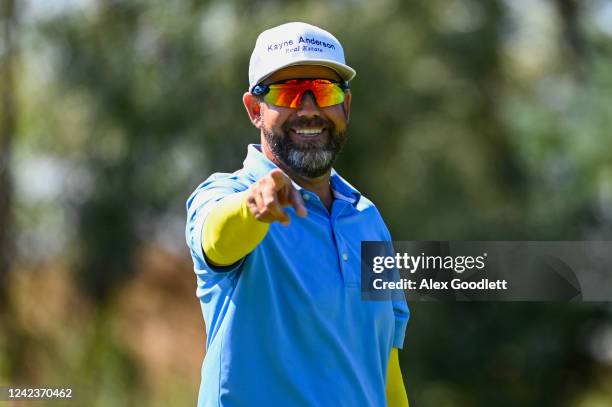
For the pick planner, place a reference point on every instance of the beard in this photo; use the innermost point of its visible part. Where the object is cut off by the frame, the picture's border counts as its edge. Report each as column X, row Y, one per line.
column 311, row 158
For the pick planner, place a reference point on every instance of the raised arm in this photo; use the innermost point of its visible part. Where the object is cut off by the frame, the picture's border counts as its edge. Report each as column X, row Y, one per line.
column 239, row 222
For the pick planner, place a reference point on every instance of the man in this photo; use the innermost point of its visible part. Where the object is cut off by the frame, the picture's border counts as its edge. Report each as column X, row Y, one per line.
column 276, row 247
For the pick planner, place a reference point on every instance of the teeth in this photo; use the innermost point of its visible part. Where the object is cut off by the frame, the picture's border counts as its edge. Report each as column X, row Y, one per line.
column 308, row 131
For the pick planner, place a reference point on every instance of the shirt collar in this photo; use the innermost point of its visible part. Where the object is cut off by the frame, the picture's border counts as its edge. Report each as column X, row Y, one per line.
column 258, row 165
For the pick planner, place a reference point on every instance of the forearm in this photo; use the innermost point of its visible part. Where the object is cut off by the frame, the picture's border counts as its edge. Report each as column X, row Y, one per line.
column 231, row 231
column 396, row 393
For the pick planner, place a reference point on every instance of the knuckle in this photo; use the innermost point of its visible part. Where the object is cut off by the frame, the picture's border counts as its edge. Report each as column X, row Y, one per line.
column 253, row 191
column 261, row 183
column 265, row 182
column 272, row 182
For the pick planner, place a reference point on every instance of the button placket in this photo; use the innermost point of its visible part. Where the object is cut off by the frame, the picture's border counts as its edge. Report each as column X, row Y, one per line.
column 348, row 275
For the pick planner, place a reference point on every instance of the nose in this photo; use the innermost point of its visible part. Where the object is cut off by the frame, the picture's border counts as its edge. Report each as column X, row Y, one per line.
column 308, row 106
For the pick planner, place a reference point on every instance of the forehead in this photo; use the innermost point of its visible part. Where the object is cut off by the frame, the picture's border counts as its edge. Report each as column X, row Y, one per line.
column 303, row 71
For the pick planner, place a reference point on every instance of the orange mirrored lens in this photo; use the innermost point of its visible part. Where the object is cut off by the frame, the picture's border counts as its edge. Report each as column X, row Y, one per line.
column 289, row 93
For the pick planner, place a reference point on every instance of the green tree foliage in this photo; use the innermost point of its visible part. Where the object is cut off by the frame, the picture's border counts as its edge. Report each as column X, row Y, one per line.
column 9, row 23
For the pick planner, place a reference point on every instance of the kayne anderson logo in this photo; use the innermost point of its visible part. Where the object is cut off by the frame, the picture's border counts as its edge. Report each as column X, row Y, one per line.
column 287, row 44
column 413, row 263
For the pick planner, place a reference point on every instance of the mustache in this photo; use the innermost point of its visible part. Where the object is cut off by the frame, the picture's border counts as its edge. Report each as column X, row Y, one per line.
column 308, row 122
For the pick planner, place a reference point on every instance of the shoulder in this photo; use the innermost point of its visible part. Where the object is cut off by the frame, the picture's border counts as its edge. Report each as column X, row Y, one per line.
column 365, row 204
column 373, row 215
column 237, row 180
column 368, row 212
column 217, row 186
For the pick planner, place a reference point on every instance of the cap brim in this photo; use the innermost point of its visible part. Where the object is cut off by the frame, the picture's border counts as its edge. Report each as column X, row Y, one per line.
column 345, row 72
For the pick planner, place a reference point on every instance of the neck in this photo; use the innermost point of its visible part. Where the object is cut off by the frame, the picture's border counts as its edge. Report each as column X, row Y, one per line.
column 319, row 185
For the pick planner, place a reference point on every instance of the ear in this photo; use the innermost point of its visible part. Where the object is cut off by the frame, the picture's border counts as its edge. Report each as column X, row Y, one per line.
column 347, row 105
column 253, row 108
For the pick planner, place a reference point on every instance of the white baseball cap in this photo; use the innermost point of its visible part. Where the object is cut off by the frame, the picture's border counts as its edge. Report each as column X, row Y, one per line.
column 296, row 44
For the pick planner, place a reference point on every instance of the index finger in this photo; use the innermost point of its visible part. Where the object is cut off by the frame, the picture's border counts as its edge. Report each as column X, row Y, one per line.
column 280, row 178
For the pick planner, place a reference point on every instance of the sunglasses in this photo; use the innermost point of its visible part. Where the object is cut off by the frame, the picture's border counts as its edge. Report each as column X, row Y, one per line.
column 289, row 93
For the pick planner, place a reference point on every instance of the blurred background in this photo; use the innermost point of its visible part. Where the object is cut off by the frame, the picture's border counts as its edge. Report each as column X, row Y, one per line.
column 481, row 120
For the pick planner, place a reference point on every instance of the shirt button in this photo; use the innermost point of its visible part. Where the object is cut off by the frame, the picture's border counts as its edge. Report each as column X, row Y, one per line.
column 344, row 256
column 306, row 197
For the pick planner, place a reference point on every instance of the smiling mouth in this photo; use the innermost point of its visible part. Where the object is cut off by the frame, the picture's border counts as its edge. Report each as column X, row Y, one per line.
column 312, row 132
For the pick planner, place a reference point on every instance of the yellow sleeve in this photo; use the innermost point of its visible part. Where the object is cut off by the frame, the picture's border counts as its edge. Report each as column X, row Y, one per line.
column 230, row 230
column 396, row 393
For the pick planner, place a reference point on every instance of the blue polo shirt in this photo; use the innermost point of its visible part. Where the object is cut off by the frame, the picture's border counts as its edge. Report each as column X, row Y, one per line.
column 286, row 325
